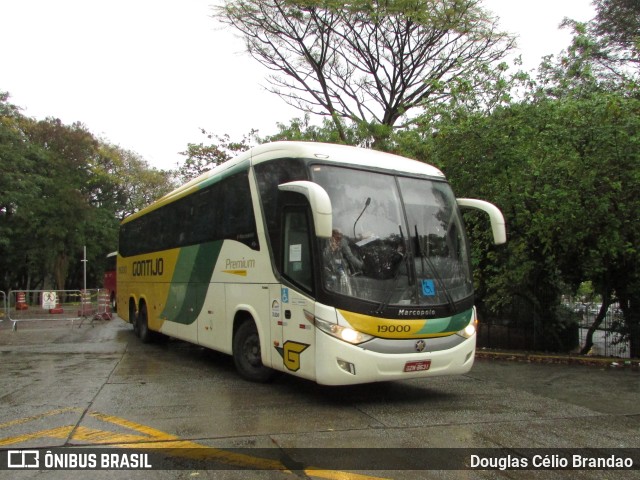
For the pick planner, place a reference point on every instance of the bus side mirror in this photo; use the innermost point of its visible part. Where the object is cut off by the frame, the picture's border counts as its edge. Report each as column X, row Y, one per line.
column 318, row 200
column 497, row 220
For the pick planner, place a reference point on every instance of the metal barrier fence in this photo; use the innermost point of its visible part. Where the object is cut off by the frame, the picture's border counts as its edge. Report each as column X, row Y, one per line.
column 608, row 339
column 517, row 333
column 46, row 305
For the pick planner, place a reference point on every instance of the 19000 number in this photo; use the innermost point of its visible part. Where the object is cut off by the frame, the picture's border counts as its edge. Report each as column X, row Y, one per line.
column 394, row 328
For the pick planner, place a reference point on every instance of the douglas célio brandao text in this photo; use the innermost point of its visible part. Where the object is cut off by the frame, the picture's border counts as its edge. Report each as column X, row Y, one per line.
column 551, row 462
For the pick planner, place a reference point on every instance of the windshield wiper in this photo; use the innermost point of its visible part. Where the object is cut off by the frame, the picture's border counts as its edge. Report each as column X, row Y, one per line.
column 420, row 250
column 425, row 257
column 384, row 304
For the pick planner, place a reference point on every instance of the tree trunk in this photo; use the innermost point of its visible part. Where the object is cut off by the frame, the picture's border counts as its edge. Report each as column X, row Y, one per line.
column 602, row 314
column 60, row 270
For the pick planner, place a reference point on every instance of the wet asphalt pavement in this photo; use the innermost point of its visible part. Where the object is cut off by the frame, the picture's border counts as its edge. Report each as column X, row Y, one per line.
column 65, row 385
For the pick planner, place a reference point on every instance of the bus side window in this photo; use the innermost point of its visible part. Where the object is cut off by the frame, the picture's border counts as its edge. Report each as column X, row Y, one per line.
column 297, row 248
column 238, row 220
column 269, row 175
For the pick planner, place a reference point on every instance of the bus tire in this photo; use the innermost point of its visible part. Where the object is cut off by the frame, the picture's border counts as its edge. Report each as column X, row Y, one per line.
column 133, row 318
column 146, row 335
column 246, row 354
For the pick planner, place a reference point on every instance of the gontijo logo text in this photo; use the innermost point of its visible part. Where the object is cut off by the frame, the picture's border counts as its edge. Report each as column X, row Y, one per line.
column 146, row 268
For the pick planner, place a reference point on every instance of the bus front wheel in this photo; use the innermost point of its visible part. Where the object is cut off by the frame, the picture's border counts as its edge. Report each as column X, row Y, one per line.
column 247, row 355
column 133, row 318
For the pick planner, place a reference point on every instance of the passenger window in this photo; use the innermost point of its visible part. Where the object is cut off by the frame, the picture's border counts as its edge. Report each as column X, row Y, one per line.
column 297, row 249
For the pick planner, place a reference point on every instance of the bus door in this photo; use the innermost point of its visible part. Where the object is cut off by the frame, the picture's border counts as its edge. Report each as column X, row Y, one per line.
column 297, row 344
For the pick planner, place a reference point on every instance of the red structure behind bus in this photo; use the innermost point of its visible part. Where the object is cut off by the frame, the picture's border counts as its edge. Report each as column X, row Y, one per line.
column 110, row 279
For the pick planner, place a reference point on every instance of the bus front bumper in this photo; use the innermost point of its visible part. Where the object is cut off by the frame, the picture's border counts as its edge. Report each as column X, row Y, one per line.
column 341, row 363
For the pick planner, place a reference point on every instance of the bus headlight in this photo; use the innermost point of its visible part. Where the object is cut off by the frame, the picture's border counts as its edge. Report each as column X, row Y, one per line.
column 345, row 334
column 470, row 330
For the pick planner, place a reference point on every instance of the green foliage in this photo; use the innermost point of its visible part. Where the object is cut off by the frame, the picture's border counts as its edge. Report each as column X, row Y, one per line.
column 565, row 174
column 301, row 129
column 363, row 134
column 617, row 23
column 604, row 55
column 201, row 157
column 62, row 188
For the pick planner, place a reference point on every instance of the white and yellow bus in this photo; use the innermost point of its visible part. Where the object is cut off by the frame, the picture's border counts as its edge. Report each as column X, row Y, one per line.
column 338, row 264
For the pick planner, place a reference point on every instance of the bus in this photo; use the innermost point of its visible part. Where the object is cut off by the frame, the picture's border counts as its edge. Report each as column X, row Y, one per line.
column 110, row 282
column 338, row 264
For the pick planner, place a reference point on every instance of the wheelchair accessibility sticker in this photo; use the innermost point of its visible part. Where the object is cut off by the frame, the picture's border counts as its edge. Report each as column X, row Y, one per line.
column 428, row 288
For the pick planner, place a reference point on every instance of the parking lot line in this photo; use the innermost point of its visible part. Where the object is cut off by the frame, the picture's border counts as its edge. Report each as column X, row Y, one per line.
column 152, row 438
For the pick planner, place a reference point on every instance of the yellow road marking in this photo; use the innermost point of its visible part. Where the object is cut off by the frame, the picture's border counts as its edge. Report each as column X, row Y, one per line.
column 337, row 475
column 152, row 438
column 144, row 429
column 201, row 452
column 60, row 432
column 50, row 413
column 96, row 437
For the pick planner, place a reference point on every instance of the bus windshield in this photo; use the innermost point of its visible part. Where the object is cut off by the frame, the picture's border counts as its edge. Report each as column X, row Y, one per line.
column 396, row 240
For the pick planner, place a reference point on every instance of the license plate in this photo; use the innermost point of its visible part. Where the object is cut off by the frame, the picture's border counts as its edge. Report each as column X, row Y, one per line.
column 419, row 366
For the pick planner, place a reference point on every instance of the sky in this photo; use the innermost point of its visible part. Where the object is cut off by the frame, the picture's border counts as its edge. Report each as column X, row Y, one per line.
column 147, row 75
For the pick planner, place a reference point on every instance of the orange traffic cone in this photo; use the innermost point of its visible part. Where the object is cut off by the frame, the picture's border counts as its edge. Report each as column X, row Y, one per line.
column 21, row 302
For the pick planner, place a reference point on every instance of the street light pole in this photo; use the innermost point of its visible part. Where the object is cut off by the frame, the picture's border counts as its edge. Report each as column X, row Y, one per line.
column 84, row 262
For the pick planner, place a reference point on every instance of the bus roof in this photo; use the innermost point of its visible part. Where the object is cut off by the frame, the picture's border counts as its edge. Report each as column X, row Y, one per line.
column 343, row 154
column 363, row 157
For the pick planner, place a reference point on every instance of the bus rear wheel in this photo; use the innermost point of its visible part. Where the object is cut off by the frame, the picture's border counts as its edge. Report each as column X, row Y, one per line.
column 247, row 356
column 144, row 333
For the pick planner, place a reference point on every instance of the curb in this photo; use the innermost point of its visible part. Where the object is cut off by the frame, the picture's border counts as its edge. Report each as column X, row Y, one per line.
column 527, row 357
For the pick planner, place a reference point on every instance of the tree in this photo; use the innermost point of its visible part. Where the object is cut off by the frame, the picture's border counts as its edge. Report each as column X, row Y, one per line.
column 19, row 190
column 565, row 174
column 201, row 157
column 617, row 23
column 62, row 188
column 604, row 54
column 370, row 61
column 136, row 183
column 600, row 72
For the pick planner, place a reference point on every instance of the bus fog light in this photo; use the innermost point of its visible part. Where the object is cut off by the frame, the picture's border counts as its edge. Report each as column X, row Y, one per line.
column 347, row 366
